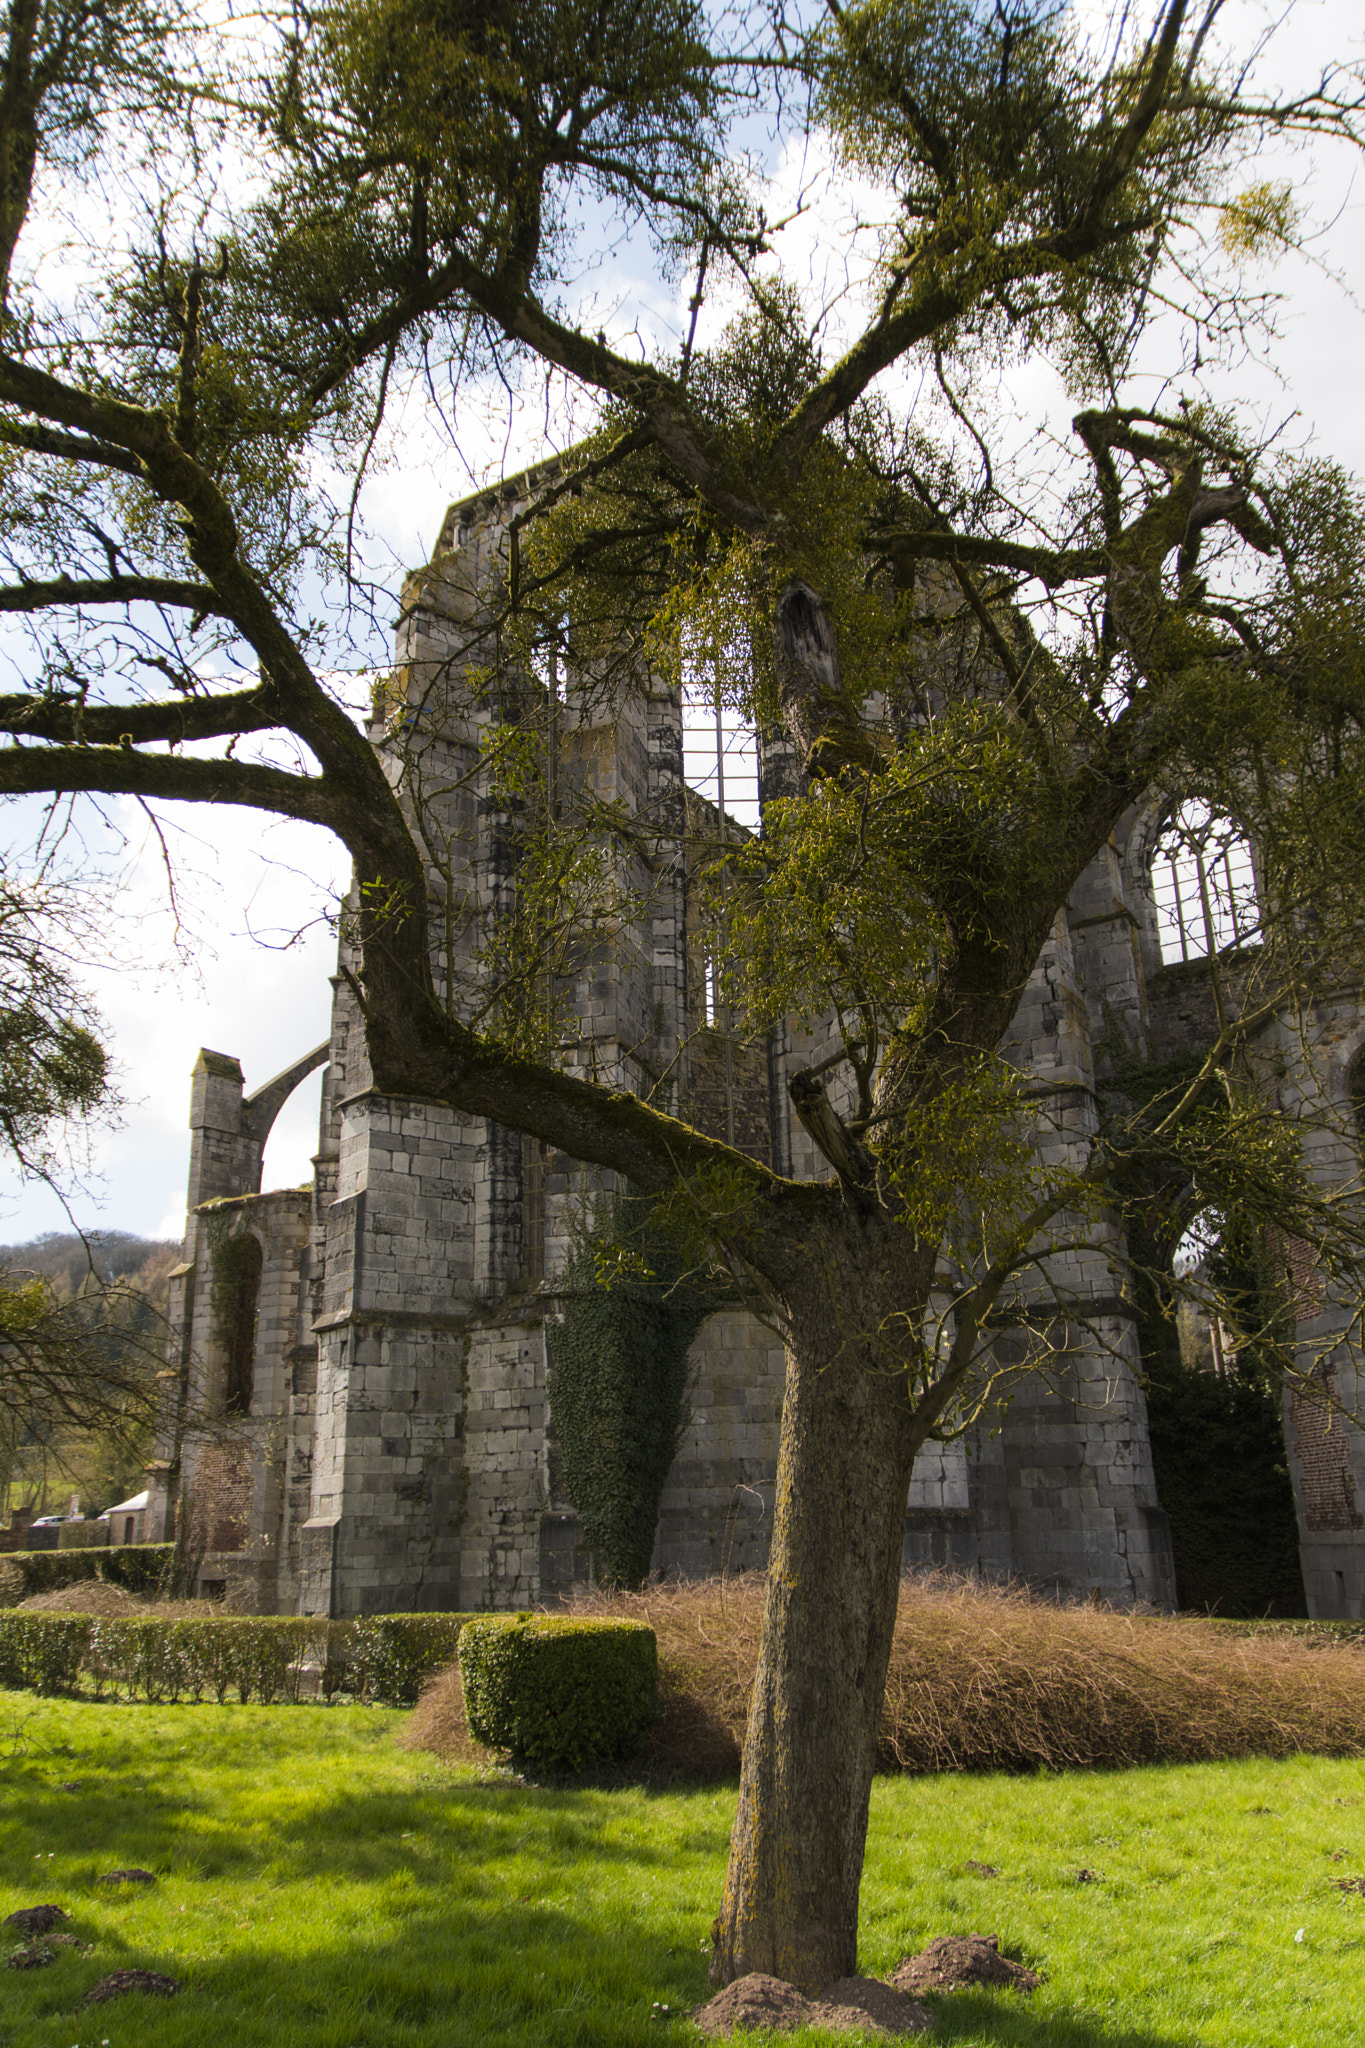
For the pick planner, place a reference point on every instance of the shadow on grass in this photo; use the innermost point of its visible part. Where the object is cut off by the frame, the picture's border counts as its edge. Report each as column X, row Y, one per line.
column 1010, row 2021
column 304, row 1909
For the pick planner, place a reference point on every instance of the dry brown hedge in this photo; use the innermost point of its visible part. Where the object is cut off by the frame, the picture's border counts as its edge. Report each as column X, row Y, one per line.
column 987, row 1679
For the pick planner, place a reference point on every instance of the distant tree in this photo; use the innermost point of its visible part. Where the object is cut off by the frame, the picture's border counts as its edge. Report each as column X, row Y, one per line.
column 962, row 689
column 74, row 1349
column 54, row 1070
column 78, row 1381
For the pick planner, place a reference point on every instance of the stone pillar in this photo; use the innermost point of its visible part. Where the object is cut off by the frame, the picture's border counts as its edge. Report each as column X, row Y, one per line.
column 1078, row 1478
column 1317, row 1056
column 383, row 1528
column 666, row 814
column 506, row 1481
column 225, row 1155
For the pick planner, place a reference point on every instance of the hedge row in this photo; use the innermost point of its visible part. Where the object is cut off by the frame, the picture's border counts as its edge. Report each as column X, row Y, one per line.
column 559, row 1691
column 384, row 1657
column 142, row 1568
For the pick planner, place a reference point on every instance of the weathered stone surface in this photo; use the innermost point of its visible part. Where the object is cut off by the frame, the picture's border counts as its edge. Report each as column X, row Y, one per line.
column 396, row 1453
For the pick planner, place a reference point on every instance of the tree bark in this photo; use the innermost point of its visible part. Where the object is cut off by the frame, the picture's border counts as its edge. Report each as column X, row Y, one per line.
column 848, row 1441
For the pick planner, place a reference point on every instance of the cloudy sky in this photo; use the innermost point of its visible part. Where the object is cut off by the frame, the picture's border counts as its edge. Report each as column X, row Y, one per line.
column 241, row 962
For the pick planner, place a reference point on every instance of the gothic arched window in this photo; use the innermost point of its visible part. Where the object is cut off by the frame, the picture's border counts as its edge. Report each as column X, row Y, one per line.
column 1204, row 886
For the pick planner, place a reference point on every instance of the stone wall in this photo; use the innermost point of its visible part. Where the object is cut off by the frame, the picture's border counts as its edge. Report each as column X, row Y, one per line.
column 398, row 1445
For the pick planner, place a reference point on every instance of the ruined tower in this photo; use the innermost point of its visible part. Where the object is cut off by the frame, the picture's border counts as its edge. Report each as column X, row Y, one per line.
column 359, row 1418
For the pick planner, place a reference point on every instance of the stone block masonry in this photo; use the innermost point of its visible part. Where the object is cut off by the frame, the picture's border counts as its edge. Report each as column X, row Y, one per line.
column 397, row 1443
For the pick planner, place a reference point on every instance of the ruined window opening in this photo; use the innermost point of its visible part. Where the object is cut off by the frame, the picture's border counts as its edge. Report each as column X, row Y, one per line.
column 713, row 749
column 1206, row 1343
column 720, row 754
column 240, row 1282
column 1204, row 886
column 532, row 1212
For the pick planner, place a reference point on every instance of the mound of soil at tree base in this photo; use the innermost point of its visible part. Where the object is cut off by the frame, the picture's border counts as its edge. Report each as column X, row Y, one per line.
column 36, row 1919
column 119, row 1981
column 854, row 2002
column 955, row 1960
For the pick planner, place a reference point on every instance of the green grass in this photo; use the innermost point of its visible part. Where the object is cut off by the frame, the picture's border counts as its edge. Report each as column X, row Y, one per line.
column 318, row 1887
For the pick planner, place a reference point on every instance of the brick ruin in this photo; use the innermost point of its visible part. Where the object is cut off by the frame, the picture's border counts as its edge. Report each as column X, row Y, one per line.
column 357, row 1408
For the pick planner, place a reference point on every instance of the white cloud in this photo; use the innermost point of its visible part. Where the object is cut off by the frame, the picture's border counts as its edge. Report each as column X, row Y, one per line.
column 247, row 885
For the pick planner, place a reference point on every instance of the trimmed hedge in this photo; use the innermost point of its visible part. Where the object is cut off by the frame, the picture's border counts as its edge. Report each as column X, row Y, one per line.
column 391, row 1656
column 559, row 1691
column 142, row 1568
column 43, row 1652
column 382, row 1657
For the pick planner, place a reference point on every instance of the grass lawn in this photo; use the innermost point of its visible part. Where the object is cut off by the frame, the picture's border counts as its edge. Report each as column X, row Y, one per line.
column 319, row 1886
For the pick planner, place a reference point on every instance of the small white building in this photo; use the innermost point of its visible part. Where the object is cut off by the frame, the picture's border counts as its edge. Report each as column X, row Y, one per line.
column 128, row 1521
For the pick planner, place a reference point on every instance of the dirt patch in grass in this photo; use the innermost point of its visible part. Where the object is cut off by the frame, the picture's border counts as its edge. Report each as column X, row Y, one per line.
column 36, row 1956
column 120, row 1981
column 986, row 1679
column 35, row 1919
column 863, row 2004
column 954, row 1961
column 752, row 2002
column 854, row 2001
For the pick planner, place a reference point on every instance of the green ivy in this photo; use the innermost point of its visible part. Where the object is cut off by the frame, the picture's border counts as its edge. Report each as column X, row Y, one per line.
column 1221, row 1476
column 235, row 1269
column 618, row 1381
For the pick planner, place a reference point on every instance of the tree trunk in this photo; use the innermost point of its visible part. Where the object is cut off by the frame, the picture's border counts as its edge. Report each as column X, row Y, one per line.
column 847, row 1445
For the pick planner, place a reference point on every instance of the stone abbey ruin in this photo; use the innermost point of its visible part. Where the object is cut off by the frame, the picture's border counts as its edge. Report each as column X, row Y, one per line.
column 357, row 1396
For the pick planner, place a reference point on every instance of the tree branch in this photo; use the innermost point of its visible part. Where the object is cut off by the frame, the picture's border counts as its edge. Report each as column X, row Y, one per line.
column 1051, row 566
column 70, row 719
column 68, row 590
column 854, row 1164
column 70, row 447
column 123, row 771
column 660, row 401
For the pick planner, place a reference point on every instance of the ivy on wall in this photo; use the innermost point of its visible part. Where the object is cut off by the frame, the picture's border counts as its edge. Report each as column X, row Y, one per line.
column 618, row 1380
column 1221, row 1476
column 235, row 1262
